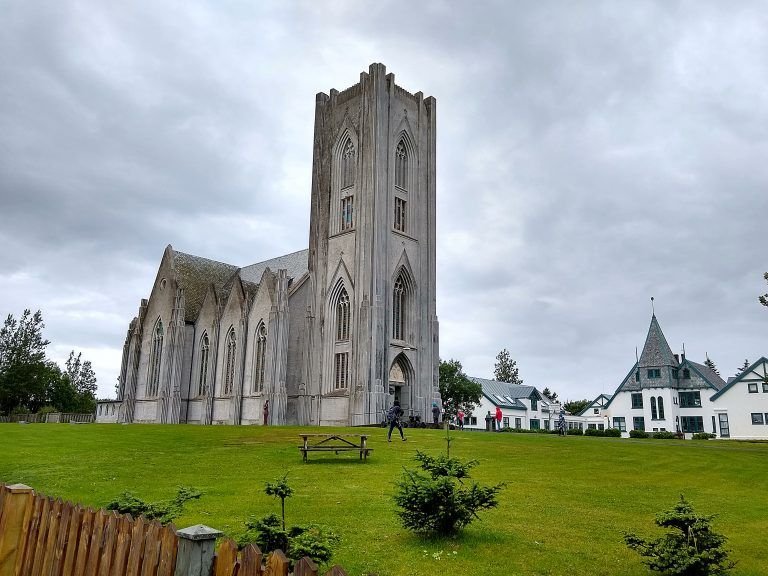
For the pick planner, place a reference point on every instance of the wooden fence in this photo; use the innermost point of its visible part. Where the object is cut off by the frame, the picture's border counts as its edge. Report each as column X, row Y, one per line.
column 40, row 536
column 50, row 417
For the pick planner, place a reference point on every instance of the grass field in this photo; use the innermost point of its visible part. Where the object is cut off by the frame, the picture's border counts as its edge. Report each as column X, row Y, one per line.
column 567, row 502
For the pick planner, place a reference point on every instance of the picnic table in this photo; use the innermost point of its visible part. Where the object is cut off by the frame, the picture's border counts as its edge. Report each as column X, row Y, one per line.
column 335, row 443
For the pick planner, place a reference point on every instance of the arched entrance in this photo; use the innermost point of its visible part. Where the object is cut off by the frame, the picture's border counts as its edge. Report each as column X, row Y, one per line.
column 400, row 380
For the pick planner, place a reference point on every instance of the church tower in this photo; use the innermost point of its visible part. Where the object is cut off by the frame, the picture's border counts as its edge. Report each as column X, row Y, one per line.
column 371, row 316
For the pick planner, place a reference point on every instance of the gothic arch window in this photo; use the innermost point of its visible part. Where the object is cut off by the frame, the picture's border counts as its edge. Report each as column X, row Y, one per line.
column 661, row 408
column 205, row 351
column 402, row 186
column 402, row 291
column 654, row 413
column 401, row 166
column 342, row 317
column 259, row 357
column 230, row 351
column 343, row 183
column 155, row 359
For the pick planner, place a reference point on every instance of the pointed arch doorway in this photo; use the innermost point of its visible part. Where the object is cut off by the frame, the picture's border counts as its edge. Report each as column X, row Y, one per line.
column 400, row 382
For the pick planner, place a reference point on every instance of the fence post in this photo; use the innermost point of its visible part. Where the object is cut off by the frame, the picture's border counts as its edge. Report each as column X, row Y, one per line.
column 196, row 550
column 17, row 506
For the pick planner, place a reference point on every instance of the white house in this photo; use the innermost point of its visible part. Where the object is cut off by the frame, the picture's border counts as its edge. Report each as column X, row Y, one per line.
column 593, row 414
column 521, row 407
column 741, row 407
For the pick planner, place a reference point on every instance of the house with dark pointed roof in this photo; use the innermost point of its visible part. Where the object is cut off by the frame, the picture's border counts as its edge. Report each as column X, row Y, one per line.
column 661, row 392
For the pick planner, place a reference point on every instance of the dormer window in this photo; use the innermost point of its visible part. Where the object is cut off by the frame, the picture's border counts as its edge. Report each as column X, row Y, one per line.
column 654, row 373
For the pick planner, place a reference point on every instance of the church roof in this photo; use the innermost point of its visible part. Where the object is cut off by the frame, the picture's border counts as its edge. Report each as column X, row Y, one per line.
column 195, row 275
column 296, row 264
column 656, row 351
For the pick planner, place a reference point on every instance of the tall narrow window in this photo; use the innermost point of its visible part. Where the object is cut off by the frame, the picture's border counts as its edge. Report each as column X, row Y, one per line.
column 347, row 208
column 654, row 414
column 342, row 317
column 155, row 359
column 229, row 362
column 205, row 346
column 401, row 166
column 341, row 370
column 259, row 356
column 398, row 309
column 348, row 157
column 661, row 408
column 400, row 214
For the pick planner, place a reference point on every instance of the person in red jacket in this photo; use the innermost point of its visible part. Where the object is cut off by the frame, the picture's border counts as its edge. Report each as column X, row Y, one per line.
column 498, row 419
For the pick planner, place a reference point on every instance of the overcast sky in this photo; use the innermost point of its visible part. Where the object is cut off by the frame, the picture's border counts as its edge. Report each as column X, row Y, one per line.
column 590, row 155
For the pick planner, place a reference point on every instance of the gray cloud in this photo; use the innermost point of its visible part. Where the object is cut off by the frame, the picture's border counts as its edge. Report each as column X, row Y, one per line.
column 590, row 155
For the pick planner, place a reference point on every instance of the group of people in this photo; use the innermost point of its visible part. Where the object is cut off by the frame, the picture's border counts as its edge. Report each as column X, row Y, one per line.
column 395, row 413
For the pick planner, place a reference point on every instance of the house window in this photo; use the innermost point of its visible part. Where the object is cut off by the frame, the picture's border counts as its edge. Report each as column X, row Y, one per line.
column 601, row 426
column 592, row 426
column 725, row 431
column 690, row 399
column 259, row 357
column 400, row 214
column 518, row 423
column 661, row 408
column 229, row 363
column 401, row 165
column 638, row 423
column 686, row 374
column 596, row 410
column 757, row 418
column 765, row 386
column 675, row 373
column 637, row 376
column 505, row 422
column 342, row 317
column 654, row 413
column 205, row 348
column 637, row 400
column 692, row 424
column 341, row 370
column 534, row 404
column 620, row 423
column 347, row 208
column 752, row 387
column 155, row 358
column 535, row 425
column 654, row 373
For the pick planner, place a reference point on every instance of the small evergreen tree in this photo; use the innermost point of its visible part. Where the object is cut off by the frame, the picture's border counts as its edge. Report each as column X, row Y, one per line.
column 505, row 369
column 711, row 365
column 764, row 298
column 744, row 367
column 439, row 502
column 575, row 406
column 691, row 549
column 552, row 396
column 280, row 489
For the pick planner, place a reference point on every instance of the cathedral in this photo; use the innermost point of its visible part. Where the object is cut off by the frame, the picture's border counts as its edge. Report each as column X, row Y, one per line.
column 331, row 335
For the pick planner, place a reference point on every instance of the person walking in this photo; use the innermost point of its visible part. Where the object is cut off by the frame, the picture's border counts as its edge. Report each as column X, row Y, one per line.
column 498, row 419
column 460, row 418
column 435, row 413
column 266, row 412
column 393, row 416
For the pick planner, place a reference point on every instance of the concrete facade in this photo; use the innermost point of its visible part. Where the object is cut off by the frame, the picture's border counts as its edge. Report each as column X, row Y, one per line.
column 331, row 335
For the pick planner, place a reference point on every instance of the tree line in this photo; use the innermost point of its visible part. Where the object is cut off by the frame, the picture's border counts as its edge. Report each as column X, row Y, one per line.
column 30, row 382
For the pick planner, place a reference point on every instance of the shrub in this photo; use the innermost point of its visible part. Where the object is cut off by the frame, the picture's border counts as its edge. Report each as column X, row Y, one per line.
column 638, row 434
column 703, row 436
column 47, row 410
column 575, row 432
column 613, row 432
column 593, row 432
column 312, row 540
column 163, row 511
column 267, row 532
column 690, row 549
column 439, row 502
column 664, row 435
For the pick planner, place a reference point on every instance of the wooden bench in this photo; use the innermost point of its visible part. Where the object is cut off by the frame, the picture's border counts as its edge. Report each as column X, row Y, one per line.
column 335, row 443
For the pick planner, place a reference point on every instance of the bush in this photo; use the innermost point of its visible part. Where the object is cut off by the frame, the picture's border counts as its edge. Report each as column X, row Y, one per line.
column 664, row 435
column 593, row 432
column 47, row 410
column 163, row 511
column 691, row 549
column 575, row 432
column 638, row 434
column 267, row 532
column 312, row 540
column 613, row 432
column 703, row 436
column 439, row 502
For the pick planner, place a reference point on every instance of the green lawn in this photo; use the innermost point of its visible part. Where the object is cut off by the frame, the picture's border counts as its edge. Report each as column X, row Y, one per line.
column 567, row 502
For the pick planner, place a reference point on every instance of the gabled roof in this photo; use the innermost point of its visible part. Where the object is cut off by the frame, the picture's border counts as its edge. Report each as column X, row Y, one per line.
column 194, row 275
column 600, row 402
column 494, row 390
column 748, row 373
column 294, row 263
column 707, row 374
column 656, row 351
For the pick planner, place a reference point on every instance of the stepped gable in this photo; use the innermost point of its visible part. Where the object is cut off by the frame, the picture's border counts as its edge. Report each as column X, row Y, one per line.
column 195, row 275
column 294, row 263
column 656, row 351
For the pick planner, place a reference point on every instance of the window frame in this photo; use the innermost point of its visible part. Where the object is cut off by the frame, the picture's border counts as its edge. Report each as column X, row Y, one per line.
column 752, row 387
column 637, row 400
column 758, row 418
